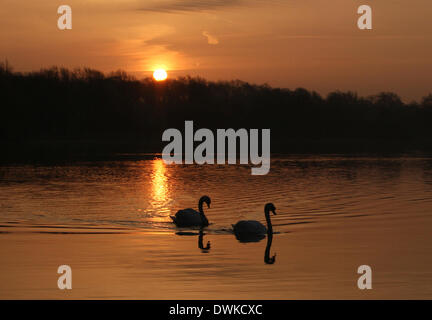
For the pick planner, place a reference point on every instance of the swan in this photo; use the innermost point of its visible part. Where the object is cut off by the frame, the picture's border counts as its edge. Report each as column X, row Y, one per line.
column 248, row 230
column 190, row 217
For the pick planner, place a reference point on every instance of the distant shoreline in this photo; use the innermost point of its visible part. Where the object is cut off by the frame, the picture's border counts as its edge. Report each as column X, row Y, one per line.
column 46, row 150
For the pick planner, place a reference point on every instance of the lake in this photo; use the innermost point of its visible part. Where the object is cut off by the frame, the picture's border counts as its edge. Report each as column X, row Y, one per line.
column 109, row 221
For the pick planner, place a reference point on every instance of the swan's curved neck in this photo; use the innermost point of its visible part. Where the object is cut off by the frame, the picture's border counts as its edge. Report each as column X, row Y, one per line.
column 269, row 224
column 201, row 211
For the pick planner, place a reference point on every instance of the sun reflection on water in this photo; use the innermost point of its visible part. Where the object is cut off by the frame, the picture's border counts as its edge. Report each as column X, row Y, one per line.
column 160, row 194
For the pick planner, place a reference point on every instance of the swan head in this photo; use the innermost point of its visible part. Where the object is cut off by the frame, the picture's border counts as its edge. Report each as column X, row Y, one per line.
column 269, row 207
column 205, row 199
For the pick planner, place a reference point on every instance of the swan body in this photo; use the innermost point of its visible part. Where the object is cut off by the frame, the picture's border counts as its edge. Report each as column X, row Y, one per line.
column 249, row 230
column 187, row 218
column 249, row 226
column 192, row 218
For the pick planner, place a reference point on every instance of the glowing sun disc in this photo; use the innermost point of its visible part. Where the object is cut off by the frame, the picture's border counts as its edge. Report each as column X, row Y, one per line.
column 160, row 75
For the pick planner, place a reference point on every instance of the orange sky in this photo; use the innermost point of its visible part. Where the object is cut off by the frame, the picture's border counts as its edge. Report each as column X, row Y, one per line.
column 289, row 43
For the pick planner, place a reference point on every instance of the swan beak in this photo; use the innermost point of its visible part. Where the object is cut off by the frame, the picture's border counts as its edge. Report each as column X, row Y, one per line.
column 274, row 212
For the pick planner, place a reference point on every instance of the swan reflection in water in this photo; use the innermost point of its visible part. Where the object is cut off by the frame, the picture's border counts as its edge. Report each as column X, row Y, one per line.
column 201, row 246
column 254, row 231
column 267, row 258
column 200, row 242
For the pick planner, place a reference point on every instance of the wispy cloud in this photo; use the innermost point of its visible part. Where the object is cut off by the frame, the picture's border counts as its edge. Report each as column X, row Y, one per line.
column 210, row 39
column 190, row 5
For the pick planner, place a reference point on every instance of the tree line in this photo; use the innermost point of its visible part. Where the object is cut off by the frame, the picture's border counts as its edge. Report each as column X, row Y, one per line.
column 58, row 103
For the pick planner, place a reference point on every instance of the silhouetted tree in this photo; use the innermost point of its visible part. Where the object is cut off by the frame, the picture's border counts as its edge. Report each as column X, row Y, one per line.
column 59, row 103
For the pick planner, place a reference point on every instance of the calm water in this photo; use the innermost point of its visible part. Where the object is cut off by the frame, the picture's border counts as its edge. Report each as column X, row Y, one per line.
column 333, row 214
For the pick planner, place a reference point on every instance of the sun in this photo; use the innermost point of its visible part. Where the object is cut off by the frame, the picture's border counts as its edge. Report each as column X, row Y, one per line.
column 160, row 75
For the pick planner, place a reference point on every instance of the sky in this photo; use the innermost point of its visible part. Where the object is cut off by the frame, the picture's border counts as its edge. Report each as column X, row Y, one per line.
column 314, row 44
